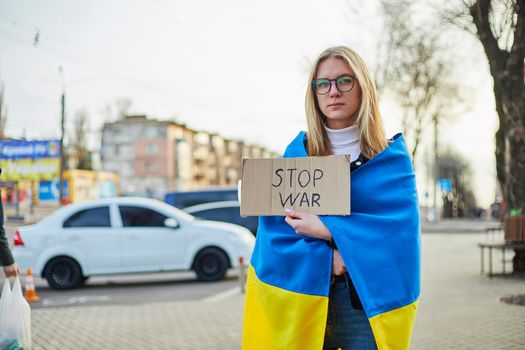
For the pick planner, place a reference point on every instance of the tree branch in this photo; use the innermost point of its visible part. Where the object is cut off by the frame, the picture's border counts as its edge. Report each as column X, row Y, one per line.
column 479, row 12
column 517, row 52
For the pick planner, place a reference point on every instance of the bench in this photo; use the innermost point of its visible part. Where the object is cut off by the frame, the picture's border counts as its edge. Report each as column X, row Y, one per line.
column 503, row 246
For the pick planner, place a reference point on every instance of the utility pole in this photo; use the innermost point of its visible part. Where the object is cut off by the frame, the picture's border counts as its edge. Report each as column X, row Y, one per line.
column 62, row 128
column 62, row 131
column 434, row 204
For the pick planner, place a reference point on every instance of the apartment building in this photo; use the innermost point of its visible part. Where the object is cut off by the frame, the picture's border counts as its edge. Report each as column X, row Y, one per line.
column 153, row 157
column 142, row 152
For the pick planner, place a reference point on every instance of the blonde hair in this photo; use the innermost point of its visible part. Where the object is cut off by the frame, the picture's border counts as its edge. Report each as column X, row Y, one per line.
column 370, row 125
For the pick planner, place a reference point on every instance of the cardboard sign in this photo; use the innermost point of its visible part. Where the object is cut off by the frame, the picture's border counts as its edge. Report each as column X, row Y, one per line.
column 316, row 185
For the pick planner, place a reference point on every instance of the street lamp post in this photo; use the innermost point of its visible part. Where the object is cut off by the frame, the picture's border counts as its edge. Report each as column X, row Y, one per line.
column 62, row 131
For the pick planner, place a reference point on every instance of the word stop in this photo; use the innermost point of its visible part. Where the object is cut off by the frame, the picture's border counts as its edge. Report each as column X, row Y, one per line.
column 304, row 178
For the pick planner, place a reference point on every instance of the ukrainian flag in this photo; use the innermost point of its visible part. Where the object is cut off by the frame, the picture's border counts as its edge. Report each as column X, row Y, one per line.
column 289, row 277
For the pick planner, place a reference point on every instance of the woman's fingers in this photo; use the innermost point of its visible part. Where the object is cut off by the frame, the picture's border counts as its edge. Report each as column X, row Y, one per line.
column 294, row 223
column 295, row 213
column 11, row 270
column 338, row 265
column 306, row 224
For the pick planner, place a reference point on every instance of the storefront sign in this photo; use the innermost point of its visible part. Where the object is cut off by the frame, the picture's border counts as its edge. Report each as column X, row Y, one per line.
column 29, row 149
column 30, row 169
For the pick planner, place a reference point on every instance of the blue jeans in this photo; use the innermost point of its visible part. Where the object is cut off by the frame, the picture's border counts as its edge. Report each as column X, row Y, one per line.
column 346, row 327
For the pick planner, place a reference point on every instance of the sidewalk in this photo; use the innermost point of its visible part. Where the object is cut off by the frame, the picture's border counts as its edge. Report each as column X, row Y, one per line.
column 459, row 309
column 39, row 212
column 458, row 225
column 176, row 325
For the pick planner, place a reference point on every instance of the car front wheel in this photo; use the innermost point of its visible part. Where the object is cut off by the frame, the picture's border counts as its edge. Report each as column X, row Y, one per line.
column 63, row 273
column 211, row 264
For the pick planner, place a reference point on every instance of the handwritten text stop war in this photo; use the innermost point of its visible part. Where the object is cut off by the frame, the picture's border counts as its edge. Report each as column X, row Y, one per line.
column 302, row 178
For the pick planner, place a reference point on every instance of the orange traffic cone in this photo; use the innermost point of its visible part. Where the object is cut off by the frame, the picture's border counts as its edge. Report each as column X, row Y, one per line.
column 30, row 293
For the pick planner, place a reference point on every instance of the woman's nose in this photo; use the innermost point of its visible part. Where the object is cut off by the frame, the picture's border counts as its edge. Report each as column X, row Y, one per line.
column 334, row 91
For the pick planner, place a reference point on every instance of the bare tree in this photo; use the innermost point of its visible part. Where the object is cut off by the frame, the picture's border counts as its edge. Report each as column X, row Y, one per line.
column 396, row 32
column 107, row 112
column 122, row 106
column 414, row 67
column 499, row 25
column 3, row 111
column 119, row 109
column 79, row 146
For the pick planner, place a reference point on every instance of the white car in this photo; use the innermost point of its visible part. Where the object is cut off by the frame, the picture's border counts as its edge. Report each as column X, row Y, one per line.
column 127, row 235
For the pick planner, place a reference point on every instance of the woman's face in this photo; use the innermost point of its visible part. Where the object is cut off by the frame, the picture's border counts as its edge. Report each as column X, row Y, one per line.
column 339, row 108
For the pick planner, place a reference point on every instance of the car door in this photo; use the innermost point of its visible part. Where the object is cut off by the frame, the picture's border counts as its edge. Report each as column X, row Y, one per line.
column 147, row 244
column 89, row 236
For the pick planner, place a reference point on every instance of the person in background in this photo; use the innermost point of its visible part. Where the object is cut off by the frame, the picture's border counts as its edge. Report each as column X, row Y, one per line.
column 6, row 258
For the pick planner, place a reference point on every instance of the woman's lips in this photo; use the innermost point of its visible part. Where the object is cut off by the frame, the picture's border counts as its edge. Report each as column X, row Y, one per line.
column 335, row 105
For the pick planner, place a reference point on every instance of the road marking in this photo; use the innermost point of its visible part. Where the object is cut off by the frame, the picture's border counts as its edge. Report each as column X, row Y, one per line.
column 222, row 295
column 76, row 300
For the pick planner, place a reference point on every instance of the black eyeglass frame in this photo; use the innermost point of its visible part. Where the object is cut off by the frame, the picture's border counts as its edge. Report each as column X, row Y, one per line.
column 354, row 78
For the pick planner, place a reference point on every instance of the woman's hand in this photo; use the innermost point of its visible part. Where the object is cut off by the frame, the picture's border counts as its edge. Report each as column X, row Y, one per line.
column 307, row 224
column 338, row 265
column 11, row 270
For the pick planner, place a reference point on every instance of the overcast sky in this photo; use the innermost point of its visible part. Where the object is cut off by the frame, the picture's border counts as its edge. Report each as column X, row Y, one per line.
column 236, row 67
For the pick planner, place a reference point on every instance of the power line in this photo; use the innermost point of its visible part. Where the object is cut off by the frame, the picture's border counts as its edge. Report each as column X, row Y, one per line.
column 24, row 36
column 31, row 123
column 52, row 48
column 93, row 62
column 19, row 21
column 14, row 36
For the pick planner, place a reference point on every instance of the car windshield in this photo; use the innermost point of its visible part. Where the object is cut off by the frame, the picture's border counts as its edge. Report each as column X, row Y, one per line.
column 177, row 212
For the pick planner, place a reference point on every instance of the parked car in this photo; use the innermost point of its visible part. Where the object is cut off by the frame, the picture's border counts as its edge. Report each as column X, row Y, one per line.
column 127, row 235
column 184, row 199
column 226, row 211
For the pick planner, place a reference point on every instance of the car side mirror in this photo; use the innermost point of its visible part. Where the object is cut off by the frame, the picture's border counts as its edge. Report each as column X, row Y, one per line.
column 171, row 223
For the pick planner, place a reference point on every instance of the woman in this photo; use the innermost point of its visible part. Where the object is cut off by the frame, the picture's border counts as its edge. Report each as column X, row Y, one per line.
column 340, row 281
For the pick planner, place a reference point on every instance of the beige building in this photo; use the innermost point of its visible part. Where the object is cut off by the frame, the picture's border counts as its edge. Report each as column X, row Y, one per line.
column 143, row 152
column 153, row 157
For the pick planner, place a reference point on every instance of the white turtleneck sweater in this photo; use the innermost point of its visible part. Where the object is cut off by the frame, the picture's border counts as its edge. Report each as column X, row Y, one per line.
column 345, row 141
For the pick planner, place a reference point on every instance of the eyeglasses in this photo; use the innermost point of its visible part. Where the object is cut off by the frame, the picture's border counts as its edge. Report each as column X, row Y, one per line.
column 344, row 83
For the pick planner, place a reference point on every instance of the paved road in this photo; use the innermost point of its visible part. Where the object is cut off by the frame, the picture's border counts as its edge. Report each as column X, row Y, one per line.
column 134, row 289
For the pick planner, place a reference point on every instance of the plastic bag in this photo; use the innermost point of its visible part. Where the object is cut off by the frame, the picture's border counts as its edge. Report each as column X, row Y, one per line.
column 15, row 318
column 5, row 301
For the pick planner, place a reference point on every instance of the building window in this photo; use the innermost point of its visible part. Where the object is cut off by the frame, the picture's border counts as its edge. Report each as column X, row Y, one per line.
column 152, row 132
column 233, row 147
column 202, row 138
column 152, row 148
